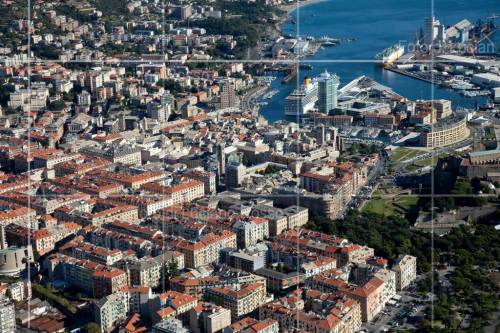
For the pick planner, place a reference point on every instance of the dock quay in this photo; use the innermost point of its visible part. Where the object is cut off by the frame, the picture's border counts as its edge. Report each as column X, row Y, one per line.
column 426, row 78
column 292, row 72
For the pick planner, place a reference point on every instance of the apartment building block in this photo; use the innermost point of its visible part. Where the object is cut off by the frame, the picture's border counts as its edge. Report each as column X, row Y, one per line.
column 240, row 301
column 406, row 271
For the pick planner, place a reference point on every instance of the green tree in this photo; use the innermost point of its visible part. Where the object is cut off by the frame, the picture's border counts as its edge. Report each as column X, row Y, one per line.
column 4, row 94
column 47, row 52
column 444, row 203
column 354, row 148
column 57, row 105
column 373, row 149
column 462, row 190
column 173, row 269
column 91, row 328
column 169, row 271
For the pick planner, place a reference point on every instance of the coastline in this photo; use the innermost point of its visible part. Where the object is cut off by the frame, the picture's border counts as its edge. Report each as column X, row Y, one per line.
column 298, row 4
column 290, row 8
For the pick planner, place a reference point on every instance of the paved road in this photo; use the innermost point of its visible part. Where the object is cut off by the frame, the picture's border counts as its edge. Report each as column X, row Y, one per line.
column 373, row 178
column 249, row 100
column 459, row 145
column 402, row 316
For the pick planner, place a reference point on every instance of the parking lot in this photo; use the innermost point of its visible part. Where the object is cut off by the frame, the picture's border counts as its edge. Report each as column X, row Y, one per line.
column 404, row 315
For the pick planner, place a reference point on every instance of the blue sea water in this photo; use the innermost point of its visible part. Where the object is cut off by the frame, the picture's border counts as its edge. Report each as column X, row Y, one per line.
column 375, row 25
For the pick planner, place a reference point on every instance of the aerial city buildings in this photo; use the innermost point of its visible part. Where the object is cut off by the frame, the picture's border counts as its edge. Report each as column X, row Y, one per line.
column 143, row 188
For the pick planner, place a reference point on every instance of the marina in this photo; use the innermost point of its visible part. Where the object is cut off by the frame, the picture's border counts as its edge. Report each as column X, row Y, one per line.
column 467, row 93
column 291, row 72
column 270, row 94
column 340, row 18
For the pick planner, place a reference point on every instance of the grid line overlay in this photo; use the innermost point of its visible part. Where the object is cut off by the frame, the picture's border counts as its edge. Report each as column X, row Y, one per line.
column 30, row 61
column 433, row 156
column 29, row 146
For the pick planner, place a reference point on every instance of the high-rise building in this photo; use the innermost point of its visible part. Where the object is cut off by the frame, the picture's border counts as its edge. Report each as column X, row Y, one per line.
column 320, row 134
column 433, row 31
column 83, row 98
column 221, row 158
column 327, row 92
column 93, row 80
column 7, row 318
column 184, row 12
column 227, row 98
column 159, row 112
column 235, row 172
column 429, row 32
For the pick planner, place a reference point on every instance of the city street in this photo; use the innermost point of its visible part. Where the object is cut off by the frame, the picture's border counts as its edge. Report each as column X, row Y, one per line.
column 408, row 311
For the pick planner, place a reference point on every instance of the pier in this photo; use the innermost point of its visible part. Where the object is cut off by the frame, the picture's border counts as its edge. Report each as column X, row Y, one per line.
column 292, row 72
column 413, row 75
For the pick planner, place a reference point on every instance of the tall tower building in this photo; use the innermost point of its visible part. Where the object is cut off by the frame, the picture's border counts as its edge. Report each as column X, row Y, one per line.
column 327, row 92
column 235, row 172
column 167, row 99
column 228, row 98
column 433, row 30
column 221, row 158
column 320, row 134
column 334, row 138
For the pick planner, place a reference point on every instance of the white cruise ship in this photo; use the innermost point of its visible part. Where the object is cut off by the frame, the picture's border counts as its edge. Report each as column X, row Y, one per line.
column 302, row 100
column 391, row 54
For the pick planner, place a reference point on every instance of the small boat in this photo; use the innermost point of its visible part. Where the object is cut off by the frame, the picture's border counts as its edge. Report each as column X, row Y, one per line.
column 329, row 43
column 270, row 94
column 487, row 106
column 461, row 86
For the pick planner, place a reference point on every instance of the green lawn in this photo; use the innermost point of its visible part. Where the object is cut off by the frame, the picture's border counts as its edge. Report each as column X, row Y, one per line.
column 406, row 201
column 402, row 154
column 390, row 206
column 431, row 161
column 379, row 206
column 427, row 161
